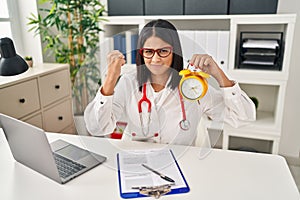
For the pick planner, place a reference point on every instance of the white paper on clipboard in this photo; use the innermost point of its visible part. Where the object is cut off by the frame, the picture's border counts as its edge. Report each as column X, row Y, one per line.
column 133, row 174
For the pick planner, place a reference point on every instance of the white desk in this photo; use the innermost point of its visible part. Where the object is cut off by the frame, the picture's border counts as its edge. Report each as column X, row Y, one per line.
column 221, row 175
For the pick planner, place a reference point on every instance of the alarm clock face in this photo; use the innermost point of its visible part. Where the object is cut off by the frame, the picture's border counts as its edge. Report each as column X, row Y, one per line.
column 192, row 88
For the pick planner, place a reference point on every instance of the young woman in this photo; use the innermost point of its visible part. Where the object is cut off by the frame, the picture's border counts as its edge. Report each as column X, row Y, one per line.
column 149, row 97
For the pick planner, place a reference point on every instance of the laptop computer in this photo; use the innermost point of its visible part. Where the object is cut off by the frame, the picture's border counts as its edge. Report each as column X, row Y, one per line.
column 60, row 160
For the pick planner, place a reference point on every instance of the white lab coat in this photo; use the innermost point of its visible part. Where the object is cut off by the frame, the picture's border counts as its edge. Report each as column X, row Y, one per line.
column 230, row 105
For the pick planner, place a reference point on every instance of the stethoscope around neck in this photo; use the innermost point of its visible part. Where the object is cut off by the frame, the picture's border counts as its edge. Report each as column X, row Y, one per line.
column 184, row 124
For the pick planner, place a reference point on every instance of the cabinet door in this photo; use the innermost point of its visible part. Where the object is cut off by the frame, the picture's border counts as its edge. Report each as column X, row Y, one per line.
column 20, row 99
column 58, row 117
column 54, row 87
column 69, row 130
column 35, row 121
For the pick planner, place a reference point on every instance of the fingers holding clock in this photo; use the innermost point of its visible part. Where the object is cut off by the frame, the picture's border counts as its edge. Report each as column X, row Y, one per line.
column 204, row 62
column 207, row 64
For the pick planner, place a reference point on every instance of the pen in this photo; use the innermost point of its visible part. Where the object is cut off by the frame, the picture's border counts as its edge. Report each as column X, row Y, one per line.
column 159, row 174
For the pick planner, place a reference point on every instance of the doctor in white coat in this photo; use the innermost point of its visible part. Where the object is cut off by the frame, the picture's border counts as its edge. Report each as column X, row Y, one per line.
column 149, row 97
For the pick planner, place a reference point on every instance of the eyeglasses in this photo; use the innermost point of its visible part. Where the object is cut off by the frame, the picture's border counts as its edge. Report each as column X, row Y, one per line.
column 162, row 52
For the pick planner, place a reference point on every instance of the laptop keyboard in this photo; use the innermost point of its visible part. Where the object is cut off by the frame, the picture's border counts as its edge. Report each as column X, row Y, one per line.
column 66, row 167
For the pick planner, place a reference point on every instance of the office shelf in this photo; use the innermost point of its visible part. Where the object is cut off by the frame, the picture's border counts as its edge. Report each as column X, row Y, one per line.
column 268, row 86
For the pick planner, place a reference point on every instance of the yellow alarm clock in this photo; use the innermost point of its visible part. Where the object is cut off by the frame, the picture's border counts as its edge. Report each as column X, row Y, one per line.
column 193, row 84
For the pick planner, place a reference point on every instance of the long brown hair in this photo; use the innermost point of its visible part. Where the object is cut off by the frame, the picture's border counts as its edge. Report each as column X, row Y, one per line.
column 167, row 32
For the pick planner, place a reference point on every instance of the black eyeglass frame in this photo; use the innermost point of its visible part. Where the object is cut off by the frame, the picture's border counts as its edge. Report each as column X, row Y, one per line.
column 155, row 51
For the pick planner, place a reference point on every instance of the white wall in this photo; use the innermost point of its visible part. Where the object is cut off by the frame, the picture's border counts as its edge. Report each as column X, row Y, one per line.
column 31, row 44
column 290, row 140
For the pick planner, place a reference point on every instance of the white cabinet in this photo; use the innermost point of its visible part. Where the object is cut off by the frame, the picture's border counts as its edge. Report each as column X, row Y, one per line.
column 268, row 86
column 21, row 99
column 41, row 96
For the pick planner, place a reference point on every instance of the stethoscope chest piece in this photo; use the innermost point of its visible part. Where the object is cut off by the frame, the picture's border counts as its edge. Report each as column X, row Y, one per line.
column 184, row 124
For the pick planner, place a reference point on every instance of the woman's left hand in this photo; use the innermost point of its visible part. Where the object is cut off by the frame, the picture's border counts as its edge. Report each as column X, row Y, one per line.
column 205, row 63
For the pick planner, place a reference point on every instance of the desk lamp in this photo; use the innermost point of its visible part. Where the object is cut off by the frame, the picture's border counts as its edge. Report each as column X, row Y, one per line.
column 10, row 62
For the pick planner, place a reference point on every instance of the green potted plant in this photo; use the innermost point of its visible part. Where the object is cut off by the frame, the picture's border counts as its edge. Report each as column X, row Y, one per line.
column 29, row 60
column 255, row 101
column 70, row 31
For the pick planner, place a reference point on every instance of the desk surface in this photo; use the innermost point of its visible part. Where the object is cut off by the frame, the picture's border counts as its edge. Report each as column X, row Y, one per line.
column 220, row 175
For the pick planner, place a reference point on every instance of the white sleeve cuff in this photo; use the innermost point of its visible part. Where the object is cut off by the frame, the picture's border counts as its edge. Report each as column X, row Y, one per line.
column 231, row 92
column 102, row 100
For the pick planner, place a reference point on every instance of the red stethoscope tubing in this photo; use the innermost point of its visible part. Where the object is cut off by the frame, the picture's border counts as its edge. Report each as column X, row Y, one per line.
column 144, row 99
column 182, row 106
column 184, row 123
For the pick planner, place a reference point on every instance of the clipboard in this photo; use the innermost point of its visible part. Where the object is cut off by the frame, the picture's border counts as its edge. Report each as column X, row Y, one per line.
column 140, row 177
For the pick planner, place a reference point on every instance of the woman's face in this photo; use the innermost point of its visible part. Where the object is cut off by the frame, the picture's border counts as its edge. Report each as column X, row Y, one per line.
column 158, row 66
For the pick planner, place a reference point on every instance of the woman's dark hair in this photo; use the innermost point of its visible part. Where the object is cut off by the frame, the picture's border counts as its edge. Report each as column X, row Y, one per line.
column 168, row 33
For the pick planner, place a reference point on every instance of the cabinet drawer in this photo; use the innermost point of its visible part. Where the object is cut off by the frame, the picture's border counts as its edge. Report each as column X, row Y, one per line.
column 21, row 99
column 36, row 120
column 54, row 87
column 59, row 117
column 69, row 130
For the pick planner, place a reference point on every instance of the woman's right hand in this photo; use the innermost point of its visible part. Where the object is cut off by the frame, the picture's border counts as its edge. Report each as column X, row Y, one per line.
column 115, row 61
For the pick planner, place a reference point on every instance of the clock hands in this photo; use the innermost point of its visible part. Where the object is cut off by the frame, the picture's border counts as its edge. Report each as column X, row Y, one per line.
column 193, row 85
